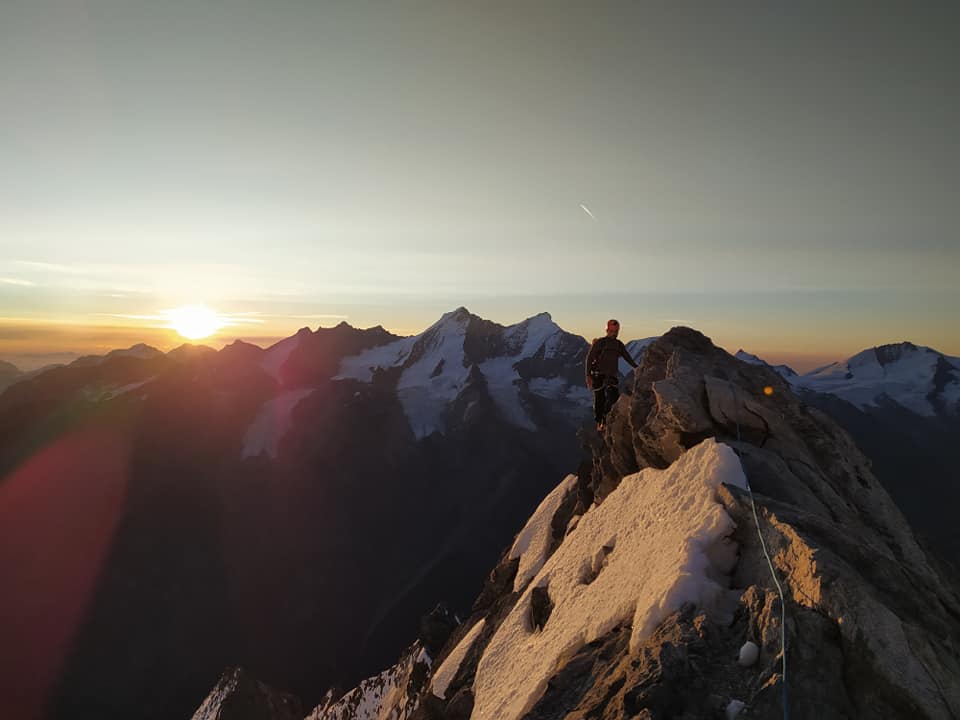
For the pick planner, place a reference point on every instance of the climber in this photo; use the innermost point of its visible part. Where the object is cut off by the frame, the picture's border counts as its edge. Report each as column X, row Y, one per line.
column 603, row 374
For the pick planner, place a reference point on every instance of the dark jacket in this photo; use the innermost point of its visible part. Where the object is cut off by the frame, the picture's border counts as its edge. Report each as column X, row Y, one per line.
column 604, row 356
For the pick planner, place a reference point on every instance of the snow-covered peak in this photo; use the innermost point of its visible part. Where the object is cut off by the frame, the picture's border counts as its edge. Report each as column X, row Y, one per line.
column 459, row 317
column 528, row 337
column 435, row 366
column 917, row 377
column 742, row 354
column 785, row 371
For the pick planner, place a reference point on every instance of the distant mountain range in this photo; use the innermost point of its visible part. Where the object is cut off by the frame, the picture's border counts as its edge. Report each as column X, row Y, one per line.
column 920, row 379
column 296, row 509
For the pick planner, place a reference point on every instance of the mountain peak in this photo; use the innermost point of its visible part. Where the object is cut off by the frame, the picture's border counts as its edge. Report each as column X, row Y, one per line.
column 461, row 314
column 918, row 378
column 889, row 354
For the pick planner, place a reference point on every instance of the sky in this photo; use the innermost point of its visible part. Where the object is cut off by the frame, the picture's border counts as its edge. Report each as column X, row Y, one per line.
column 782, row 176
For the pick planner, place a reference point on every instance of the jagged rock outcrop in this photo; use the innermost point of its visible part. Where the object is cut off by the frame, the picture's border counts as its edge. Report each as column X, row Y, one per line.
column 394, row 693
column 872, row 629
column 238, row 696
column 859, row 587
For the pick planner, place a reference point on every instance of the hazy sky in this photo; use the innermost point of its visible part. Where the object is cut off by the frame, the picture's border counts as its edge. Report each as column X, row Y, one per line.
column 784, row 176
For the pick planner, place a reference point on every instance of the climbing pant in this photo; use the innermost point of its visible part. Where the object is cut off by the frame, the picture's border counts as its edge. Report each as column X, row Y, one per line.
column 605, row 394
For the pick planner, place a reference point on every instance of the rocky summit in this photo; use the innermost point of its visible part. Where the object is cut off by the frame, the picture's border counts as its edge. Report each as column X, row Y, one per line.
column 725, row 552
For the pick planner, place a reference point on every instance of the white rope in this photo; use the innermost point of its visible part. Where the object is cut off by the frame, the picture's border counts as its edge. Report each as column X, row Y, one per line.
column 773, row 573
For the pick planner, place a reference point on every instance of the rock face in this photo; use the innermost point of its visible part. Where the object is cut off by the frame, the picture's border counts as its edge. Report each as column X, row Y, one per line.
column 914, row 457
column 858, row 584
column 872, row 628
column 899, row 402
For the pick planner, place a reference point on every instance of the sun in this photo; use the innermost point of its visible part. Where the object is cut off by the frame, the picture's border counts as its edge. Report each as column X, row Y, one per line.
column 194, row 322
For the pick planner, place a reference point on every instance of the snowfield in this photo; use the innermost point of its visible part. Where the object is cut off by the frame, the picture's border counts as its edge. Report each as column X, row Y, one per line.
column 658, row 541
column 272, row 423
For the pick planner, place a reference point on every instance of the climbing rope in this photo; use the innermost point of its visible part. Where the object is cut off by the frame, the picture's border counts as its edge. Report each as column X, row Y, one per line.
column 773, row 573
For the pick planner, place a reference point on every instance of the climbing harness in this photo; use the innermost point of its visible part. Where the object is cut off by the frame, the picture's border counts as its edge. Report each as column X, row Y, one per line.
column 773, row 573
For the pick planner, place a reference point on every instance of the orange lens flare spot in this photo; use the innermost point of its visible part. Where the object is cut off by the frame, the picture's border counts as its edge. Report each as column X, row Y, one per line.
column 768, row 391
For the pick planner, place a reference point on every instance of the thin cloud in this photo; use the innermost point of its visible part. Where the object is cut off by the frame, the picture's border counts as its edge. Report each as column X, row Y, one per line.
column 164, row 315
column 53, row 267
column 236, row 320
column 316, row 317
column 285, row 316
column 126, row 316
column 17, row 281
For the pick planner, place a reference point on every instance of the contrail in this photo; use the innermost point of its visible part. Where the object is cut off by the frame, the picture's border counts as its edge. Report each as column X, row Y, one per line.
column 587, row 211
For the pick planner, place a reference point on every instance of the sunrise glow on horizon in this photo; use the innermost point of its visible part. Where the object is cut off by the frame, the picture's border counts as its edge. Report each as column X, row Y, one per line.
column 300, row 166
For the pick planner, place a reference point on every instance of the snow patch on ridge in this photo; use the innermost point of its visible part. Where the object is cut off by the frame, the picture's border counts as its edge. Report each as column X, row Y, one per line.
column 382, row 697
column 533, row 541
column 272, row 423
column 360, row 367
column 451, row 665
column 668, row 524
column 124, row 389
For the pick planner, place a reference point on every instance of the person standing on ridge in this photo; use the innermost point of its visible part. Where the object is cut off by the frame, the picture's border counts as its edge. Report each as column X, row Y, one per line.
column 603, row 372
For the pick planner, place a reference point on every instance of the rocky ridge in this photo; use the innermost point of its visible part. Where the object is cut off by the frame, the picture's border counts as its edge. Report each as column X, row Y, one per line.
column 872, row 628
